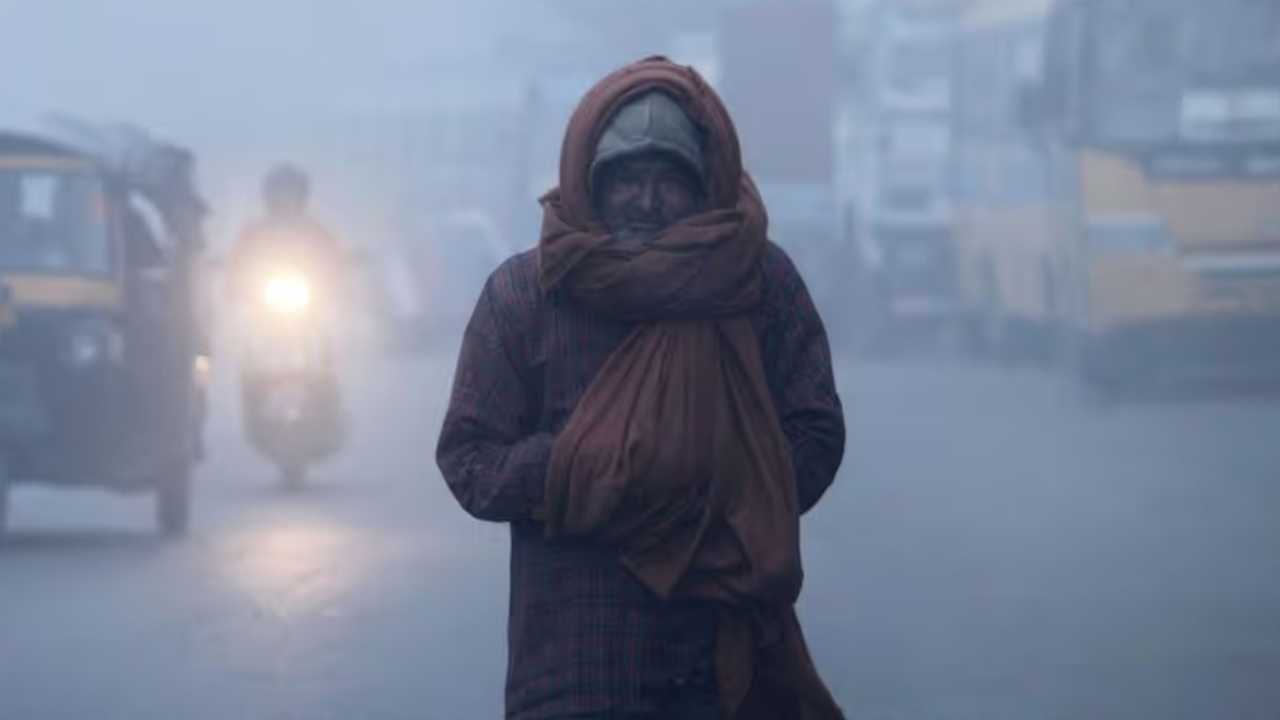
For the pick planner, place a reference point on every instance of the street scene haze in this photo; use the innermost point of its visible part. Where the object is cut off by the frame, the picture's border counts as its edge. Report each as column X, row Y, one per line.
column 293, row 335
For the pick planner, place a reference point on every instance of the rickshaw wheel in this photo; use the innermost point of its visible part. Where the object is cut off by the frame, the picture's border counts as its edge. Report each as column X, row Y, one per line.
column 173, row 501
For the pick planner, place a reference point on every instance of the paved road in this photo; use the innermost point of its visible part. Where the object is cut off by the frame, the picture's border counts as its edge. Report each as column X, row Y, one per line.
column 993, row 549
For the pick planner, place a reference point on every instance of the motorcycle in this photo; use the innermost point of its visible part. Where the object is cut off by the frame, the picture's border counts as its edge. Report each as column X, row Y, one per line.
column 291, row 400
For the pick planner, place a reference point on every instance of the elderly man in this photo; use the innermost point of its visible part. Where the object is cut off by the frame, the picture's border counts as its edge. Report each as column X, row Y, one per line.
column 647, row 399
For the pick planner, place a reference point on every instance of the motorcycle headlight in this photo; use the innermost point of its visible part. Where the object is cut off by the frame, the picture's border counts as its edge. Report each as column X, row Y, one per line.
column 287, row 293
column 1128, row 235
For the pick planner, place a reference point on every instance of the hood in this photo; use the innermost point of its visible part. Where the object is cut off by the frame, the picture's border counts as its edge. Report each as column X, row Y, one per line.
column 686, row 91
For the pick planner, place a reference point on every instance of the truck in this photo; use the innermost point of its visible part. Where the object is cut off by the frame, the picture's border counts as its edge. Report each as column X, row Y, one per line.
column 894, row 166
column 1120, row 185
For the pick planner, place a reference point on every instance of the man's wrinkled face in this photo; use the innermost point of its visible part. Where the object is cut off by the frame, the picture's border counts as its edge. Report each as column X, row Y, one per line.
column 641, row 195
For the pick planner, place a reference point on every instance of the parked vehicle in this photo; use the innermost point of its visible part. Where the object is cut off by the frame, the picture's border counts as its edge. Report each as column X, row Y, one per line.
column 894, row 167
column 1121, row 183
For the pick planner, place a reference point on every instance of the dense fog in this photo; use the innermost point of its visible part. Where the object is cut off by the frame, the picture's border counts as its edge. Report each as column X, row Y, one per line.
column 1043, row 237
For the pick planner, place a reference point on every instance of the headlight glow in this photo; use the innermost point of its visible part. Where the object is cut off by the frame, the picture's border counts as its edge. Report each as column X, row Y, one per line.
column 84, row 349
column 287, row 293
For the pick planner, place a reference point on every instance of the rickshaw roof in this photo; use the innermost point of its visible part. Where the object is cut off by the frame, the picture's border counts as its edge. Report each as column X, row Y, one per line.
column 158, row 170
column 17, row 143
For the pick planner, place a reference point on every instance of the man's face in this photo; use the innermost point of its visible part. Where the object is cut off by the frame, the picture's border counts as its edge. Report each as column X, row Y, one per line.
column 641, row 195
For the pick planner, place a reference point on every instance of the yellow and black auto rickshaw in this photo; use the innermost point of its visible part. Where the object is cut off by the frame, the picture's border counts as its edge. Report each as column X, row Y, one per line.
column 98, row 344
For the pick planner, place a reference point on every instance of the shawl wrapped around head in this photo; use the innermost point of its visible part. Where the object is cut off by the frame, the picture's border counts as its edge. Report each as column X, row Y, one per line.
column 675, row 453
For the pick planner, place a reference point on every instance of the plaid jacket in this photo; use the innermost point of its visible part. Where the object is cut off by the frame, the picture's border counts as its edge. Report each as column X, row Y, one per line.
column 583, row 635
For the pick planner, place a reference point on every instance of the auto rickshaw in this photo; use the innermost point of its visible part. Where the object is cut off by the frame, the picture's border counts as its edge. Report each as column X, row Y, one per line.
column 99, row 348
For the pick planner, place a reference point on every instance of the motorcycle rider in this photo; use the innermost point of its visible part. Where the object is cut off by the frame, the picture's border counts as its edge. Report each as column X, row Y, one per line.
column 287, row 241
column 286, row 234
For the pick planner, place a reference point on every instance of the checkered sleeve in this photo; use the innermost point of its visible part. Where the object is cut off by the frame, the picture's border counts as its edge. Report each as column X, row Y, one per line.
column 798, row 363
column 491, row 460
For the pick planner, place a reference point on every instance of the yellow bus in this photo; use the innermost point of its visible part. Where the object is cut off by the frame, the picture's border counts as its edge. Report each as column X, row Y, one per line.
column 1117, row 181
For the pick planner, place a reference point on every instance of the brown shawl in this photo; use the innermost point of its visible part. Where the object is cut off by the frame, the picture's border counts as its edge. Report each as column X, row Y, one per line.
column 675, row 453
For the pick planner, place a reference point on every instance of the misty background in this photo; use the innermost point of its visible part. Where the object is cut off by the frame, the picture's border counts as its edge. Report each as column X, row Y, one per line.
column 343, row 88
column 999, row 544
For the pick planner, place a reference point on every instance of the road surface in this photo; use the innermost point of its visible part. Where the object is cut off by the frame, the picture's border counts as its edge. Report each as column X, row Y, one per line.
column 994, row 547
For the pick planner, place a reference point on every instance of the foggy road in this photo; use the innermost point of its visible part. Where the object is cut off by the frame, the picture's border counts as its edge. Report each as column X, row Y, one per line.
column 993, row 548
column 1093, row 182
